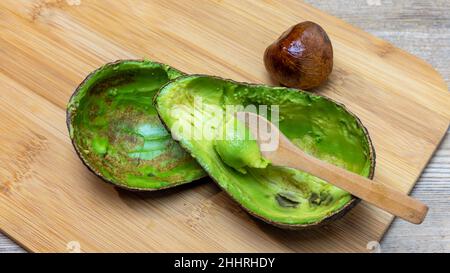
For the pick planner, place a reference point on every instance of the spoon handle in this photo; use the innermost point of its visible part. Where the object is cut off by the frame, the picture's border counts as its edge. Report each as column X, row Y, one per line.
column 380, row 195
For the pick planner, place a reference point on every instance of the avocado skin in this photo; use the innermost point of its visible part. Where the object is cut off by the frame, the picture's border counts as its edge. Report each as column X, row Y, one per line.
column 71, row 111
column 326, row 220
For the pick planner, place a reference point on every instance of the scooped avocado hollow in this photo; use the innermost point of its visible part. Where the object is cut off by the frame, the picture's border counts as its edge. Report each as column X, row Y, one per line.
column 237, row 147
column 117, row 133
column 281, row 196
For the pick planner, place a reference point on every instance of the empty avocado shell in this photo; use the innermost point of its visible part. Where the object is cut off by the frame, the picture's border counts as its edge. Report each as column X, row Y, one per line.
column 281, row 196
column 117, row 133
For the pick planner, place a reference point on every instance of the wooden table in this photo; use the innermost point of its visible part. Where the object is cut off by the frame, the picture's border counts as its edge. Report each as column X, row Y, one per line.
column 422, row 28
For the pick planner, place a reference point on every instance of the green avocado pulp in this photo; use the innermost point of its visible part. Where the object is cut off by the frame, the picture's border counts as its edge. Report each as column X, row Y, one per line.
column 237, row 148
column 116, row 130
column 314, row 123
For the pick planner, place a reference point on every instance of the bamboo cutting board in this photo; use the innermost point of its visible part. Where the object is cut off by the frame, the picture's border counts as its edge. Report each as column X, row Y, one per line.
column 50, row 202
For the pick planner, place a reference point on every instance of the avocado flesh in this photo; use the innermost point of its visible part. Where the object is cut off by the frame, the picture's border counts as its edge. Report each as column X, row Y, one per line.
column 281, row 196
column 117, row 132
column 237, row 148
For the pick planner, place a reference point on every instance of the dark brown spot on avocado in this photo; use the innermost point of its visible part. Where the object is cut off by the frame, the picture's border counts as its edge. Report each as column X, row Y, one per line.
column 314, row 199
column 287, row 200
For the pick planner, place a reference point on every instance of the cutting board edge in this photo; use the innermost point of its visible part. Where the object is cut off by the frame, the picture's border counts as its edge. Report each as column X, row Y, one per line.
column 16, row 241
column 411, row 188
column 441, row 139
column 436, row 82
column 440, row 81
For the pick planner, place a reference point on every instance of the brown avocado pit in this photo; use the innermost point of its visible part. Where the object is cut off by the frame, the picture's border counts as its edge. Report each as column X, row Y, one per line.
column 302, row 57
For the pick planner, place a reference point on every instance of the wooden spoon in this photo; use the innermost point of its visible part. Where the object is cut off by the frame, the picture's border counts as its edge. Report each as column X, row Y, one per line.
column 281, row 152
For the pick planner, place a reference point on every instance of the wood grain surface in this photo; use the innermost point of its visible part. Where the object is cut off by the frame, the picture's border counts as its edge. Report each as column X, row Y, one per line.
column 421, row 27
column 399, row 22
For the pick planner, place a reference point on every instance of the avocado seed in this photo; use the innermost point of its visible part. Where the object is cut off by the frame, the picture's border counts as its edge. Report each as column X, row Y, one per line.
column 302, row 57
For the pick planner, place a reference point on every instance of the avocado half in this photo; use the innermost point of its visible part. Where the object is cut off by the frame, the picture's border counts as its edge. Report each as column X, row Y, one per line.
column 117, row 133
column 281, row 196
